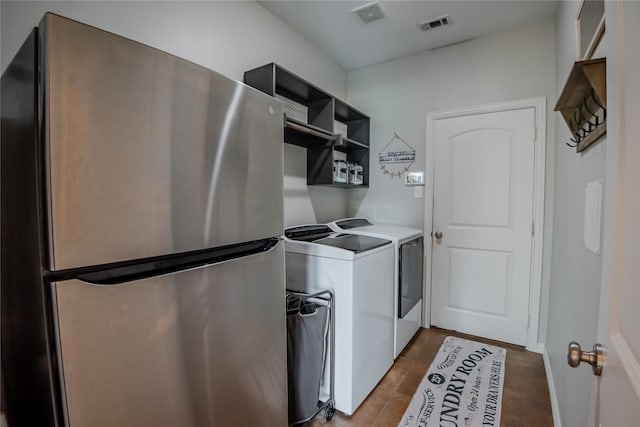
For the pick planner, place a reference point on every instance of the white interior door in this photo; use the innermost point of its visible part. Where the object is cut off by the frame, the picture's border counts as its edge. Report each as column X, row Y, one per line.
column 483, row 206
column 617, row 391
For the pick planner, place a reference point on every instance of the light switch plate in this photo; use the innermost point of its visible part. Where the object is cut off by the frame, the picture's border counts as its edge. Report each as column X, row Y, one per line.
column 414, row 178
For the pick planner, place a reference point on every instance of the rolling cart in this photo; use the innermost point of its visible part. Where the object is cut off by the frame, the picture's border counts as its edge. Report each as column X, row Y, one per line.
column 310, row 345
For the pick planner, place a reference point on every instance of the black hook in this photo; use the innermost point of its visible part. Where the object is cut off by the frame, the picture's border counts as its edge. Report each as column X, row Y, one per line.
column 576, row 122
column 586, row 106
column 585, row 132
column 577, row 140
column 604, row 109
column 592, row 126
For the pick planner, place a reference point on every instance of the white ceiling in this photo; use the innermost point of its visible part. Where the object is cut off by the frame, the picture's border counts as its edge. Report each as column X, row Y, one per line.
column 332, row 26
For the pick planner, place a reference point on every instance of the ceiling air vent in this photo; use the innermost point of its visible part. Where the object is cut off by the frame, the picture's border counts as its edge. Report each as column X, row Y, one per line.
column 434, row 23
column 369, row 13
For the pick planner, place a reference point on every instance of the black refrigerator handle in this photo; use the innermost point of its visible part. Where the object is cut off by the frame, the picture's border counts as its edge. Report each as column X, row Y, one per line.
column 128, row 271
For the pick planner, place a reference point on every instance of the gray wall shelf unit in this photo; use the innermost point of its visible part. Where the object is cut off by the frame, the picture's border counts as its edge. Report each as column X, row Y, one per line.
column 317, row 134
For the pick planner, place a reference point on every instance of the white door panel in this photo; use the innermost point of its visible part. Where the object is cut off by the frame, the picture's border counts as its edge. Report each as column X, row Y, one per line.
column 617, row 391
column 481, row 178
column 483, row 205
column 493, row 268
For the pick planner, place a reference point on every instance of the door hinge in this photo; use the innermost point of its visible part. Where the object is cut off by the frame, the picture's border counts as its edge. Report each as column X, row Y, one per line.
column 533, row 228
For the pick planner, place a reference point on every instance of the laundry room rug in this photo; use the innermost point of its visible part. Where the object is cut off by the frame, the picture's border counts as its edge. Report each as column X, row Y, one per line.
column 462, row 388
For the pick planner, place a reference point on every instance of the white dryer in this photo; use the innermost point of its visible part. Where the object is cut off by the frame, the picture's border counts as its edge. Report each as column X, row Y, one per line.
column 359, row 270
column 407, row 288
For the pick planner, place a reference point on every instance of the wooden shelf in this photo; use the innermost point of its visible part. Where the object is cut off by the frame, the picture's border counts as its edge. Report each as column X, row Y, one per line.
column 357, row 123
column 344, row 144
column 317, row 135
column 338, row 185
column 303, row 134
column 584, row 98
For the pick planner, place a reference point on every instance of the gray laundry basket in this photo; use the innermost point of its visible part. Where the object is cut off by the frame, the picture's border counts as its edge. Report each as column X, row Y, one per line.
column 308, row 327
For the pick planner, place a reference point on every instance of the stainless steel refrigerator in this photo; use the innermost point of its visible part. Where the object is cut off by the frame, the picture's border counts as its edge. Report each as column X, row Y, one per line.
column 142, row 275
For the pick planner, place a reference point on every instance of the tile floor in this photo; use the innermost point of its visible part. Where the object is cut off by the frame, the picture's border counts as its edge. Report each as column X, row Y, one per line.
column 525, row 400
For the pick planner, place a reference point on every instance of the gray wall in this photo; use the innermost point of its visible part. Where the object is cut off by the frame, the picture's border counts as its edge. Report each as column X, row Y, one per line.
column 227, row 36
column 398, row 95
column 575, row 271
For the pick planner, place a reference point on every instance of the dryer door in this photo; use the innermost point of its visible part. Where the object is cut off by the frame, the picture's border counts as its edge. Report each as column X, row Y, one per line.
column 410, row 289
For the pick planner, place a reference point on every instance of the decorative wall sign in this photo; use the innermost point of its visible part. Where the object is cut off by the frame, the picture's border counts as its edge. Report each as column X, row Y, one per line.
column 396, row 157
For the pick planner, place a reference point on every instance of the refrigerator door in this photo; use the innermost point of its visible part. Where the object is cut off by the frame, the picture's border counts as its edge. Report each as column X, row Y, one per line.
column 201, row 347
column 148, row 154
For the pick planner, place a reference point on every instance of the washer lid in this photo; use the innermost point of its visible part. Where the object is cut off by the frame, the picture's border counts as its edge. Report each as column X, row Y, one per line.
column 308, row 233
column 346, row 224
column 352, row 242
column 398, row 233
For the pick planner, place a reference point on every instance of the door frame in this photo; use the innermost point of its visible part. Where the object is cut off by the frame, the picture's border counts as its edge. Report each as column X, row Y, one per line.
column 618, row 214
column 535, row 284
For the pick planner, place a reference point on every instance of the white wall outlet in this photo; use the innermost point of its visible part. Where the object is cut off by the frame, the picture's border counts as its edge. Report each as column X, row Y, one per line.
column 414, row 178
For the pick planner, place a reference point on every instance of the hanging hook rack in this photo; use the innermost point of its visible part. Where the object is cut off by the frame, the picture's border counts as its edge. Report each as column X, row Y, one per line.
column 583, row 103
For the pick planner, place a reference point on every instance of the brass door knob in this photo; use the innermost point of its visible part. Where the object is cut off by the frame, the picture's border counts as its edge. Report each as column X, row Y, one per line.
column 594, row 358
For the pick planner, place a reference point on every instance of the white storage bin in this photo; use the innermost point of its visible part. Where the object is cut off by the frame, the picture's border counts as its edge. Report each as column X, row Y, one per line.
column 340, row 128
column 293, row 109
column 358, row 175
column 340, row 171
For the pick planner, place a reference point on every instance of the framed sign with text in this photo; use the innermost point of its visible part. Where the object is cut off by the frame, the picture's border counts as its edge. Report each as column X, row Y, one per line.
column 396, row 157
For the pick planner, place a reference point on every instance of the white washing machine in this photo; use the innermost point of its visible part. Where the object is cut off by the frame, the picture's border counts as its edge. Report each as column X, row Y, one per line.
column 359, row 270
column 409, row 258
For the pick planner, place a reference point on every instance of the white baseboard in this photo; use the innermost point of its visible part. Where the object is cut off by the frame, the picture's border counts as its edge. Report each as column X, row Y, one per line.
column 536, row 348
column 555, row 409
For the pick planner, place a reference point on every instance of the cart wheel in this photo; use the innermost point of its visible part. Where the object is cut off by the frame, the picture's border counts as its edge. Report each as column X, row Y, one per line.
column 328, row 413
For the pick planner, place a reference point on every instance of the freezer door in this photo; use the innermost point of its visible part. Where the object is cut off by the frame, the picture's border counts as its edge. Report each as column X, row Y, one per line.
column 202, row 347
column 148, row 154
